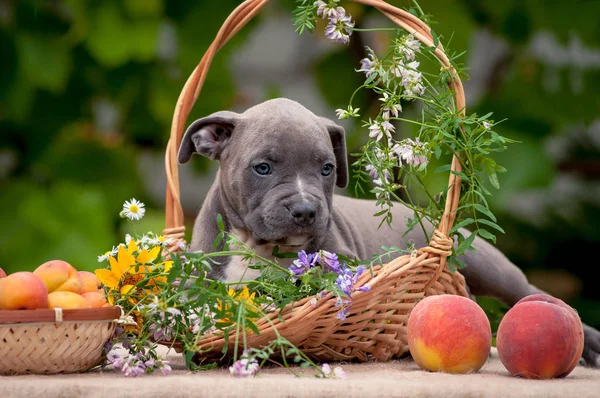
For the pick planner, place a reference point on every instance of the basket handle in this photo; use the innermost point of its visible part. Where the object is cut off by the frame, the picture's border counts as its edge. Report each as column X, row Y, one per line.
column 175, row 228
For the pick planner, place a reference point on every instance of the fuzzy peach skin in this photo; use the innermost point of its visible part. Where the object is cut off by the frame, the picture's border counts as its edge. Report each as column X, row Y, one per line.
column 89, row 282
column 541, row 337
column 22, row 291
column 448, row 333
column 95, row 299
column 67, row 301
column 2, row 273
column 59, row 276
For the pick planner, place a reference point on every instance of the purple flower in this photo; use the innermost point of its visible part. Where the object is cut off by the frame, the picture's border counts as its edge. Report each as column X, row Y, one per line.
column 340, row 27
column 163, row 320
column 345, row 307
column 407, row 46
column 377, row 129
column 115, row 359
column 369, row 65
column 411, row 152
column 304, row 262
column 244, row 368
column 344, row 281
column 165, row 368
column 133, row 369
column 329, row 261
column 325, row 10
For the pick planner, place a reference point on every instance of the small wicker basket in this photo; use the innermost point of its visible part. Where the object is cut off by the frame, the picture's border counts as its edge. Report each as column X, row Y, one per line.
column 54, row 341
column 375, row 327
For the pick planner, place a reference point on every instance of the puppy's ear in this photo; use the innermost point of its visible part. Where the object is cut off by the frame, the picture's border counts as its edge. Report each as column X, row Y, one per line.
column 208, row 136
column 338, row 141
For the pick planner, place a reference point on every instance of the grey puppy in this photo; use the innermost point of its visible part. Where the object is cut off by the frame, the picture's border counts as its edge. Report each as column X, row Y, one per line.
column 279, row 165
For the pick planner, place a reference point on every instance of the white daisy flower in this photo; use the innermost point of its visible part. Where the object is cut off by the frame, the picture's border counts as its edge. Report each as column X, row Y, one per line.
column 110, row 253
column 134, row 209
column 160, row 241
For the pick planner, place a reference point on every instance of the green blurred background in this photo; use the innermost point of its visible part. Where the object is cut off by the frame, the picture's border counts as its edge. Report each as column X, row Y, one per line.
column 87, row 91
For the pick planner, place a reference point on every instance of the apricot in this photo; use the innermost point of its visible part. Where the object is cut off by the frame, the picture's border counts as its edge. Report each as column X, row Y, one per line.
column 59, row 276
column 67, row 301
column 2, row 273
column 541, row 337
column 95, row 299
column 22, row 291
column 89, row 282
column 448, row 333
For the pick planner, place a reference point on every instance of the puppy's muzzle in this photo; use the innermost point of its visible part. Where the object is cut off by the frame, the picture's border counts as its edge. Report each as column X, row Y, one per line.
column 303, row 213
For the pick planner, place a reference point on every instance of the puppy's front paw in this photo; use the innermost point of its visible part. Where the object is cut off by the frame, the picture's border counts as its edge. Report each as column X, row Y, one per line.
column 591, row 349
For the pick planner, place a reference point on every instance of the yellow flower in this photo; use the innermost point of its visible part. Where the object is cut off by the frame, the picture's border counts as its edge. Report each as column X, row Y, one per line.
column 122, row 276
column 244, row 296
column 144, row 256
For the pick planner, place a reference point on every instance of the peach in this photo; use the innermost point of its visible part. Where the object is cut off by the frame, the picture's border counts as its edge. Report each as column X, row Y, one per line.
column 95, row 299
column 67, row 301
column 541, row 337
column 59, row 276
column 448, row 333
column 22, row 291
column 2, row 273
column 89, row 282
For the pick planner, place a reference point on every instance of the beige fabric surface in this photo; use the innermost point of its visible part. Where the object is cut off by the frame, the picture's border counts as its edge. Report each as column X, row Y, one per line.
column 390, row 379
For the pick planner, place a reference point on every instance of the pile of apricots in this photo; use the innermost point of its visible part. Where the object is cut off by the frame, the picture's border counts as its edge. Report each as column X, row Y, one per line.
column 54, row 284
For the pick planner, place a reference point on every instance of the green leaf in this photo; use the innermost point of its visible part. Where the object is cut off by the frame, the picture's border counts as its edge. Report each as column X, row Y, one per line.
column 220, row 223
column 218, row 240
column 485, row 234
column 493, row 177
column 491, row 224
column 463, row 223
column 466, row 244
column 443, row 169
column 253, row 327
column 370, row 78
column 485, row 211
column 436, row 39
column 189, row 355
column 461, row 175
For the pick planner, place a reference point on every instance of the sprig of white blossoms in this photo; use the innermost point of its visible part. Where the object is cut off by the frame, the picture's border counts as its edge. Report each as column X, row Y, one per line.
column 412, row 152
column 347, row 113
column 340, row 23
column 337, row 373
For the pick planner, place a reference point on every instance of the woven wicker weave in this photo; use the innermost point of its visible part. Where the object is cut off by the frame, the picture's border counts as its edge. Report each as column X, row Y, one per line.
column 49, row 341
column 375, row 327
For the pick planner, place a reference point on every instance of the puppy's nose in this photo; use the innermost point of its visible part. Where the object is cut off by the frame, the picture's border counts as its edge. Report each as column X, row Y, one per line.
column 304, row 213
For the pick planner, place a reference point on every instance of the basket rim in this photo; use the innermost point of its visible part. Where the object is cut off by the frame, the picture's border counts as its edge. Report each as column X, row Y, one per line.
column 68, row 315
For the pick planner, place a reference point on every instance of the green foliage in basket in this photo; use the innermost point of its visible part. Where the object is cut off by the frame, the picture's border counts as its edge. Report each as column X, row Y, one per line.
column 174, row 302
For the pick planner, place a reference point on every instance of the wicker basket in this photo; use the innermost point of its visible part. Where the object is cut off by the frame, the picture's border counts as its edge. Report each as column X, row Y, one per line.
column 54, row 341
column 375, row 327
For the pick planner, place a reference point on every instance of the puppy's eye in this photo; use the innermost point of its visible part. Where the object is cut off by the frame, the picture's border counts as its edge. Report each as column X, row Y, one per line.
column 327, row 170
column 262, row 169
